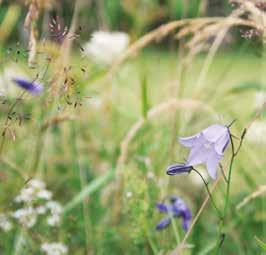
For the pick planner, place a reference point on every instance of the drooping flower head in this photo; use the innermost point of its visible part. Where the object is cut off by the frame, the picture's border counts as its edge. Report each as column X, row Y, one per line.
column 206, row 147
column 32, row 87
column 176, row 208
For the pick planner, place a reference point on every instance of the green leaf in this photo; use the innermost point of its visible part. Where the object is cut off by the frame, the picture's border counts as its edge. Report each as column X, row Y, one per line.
column 92, row 187
column 247, row 86
column 261, row 244
column 144, row 97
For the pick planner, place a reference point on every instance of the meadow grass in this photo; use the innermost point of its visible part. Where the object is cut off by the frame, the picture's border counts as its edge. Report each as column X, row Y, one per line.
column 78, row 156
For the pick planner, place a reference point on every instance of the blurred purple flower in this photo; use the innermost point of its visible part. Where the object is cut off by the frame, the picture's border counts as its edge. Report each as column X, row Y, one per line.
column 176, row 208
column 30, row 86
column 207, row 147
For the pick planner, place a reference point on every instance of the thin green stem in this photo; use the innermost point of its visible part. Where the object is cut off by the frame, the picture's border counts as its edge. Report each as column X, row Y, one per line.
column 175, row 228
column 209, row 193
column 83, row 184
column 221, row 225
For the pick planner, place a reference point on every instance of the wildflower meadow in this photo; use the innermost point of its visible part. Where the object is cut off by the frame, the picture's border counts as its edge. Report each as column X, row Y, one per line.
column 133, row 127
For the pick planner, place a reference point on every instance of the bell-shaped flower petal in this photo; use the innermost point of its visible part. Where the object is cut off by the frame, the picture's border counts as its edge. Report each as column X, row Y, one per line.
column 177, row 208
column 163, row 223
column 206, row 147
column 162, row 207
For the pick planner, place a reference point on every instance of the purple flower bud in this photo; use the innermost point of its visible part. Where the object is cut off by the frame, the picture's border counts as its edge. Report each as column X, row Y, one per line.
column 178, row 169
column 30, row 86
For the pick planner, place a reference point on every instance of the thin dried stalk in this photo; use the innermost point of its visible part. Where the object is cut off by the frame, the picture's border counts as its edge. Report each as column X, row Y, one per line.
column 166, row 29
column 56, row 120
column 259, row 192
column 183, row 244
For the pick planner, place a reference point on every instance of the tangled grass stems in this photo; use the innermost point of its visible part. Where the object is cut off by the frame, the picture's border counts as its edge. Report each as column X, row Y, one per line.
column 168, row 106
column 257, row 193
column 164, row 30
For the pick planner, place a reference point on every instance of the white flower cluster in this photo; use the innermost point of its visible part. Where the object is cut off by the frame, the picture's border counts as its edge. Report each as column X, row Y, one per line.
column 5, row 223
column 105, row 47
column 37, row 201
column 34, row 190
column 54, row 248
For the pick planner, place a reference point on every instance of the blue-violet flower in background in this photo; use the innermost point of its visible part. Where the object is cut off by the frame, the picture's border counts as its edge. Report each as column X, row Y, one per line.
column 176, row 208
column 30, row 86
column 206, row 147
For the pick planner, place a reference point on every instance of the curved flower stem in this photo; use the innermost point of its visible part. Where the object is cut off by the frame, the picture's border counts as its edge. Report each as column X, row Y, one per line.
column 209, row 193
column 223, row 173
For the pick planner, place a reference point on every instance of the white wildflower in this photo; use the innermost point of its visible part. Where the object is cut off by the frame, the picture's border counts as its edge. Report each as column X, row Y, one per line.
column 54, row 207
column 256, row 132
column 44, row 194
column 37, row 184
column 26, row 195
column 26, row 216
column 5, row 223
column 53, row 220
column 105, row 47
column 35, row 190
column 129, row 194
column 41, row 209
column 56, row 210
column 54, row 248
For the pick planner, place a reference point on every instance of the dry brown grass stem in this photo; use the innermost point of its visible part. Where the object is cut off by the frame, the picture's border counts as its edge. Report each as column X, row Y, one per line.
column 164, row 30
column 259, row 192
column 57, row 120
column 183, row 245
column 169, row 106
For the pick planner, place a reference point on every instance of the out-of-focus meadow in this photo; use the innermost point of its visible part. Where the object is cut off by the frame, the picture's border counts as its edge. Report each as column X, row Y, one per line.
column 83, row 163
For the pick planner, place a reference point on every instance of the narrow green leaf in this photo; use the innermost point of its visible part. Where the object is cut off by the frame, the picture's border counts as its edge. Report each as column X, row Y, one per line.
column 247, row 86
column 92, row 187
column 144, row 97
column 261, row 244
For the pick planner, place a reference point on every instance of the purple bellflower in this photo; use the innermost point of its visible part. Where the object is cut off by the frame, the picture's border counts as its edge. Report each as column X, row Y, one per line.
column 176, row 208
column 32, row 87
column 207, row 147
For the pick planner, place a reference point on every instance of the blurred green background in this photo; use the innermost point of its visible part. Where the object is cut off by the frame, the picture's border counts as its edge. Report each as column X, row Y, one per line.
column 77, row 157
